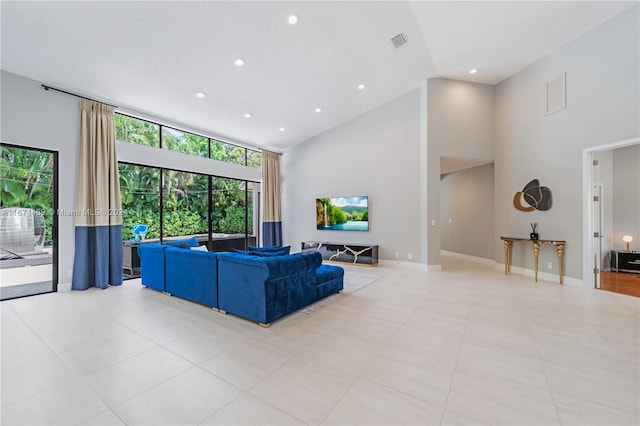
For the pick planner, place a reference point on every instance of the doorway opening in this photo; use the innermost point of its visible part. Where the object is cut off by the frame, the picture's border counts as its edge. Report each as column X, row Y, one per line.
column 611, row 179
column 28, row 221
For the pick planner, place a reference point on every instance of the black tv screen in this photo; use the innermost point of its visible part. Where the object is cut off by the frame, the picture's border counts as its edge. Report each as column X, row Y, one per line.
column 343, row 213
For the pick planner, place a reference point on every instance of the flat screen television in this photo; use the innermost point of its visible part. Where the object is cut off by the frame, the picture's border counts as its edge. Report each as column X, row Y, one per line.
column 343, row 213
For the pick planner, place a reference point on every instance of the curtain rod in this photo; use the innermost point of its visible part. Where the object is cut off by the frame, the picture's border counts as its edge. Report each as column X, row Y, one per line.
column 45, row 87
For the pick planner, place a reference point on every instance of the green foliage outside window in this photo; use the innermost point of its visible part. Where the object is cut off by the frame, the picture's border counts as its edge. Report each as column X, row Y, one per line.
column 26, row 180
column 227, row 152
column 254, row 159
column 186, row 143
column 134, row 130
column 229, row 207
column 185, row 199
column 140, row 199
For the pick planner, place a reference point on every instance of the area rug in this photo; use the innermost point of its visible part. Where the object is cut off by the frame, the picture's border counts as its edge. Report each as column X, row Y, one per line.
column 353, row 281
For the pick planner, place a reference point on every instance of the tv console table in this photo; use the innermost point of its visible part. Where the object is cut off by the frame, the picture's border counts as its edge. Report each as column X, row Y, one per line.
column 508, row 243
column 340, row 252
column 627, row 261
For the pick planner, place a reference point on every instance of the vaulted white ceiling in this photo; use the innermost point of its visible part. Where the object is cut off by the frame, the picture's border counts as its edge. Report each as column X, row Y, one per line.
column 153, row 57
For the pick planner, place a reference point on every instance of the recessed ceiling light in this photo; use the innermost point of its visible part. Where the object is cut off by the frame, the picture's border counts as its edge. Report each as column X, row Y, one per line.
column 248, row 115
column 293, row 19
column 282, row 129
column 473, row 71
column 200, row 95
column 239, row 62
column 361, row 86
column 318, row 109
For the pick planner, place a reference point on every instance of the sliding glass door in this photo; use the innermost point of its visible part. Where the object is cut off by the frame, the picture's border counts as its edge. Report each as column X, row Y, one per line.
column 28, row 221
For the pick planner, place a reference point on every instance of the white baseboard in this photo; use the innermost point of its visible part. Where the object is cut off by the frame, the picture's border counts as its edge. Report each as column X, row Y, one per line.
column 545, row 276
column 470, row 258
column 64, row 287
column 542, row 276
column 409, row 265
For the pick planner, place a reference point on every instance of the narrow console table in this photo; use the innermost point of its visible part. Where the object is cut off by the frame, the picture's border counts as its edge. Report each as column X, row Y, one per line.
column 348, row 253
column 508, row 243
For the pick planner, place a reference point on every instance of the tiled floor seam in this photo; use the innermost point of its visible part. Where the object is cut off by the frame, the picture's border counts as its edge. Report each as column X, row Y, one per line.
column 455, row 367
column 546, row 379
column 247, row 393
column 360, row 377
column 112, row 408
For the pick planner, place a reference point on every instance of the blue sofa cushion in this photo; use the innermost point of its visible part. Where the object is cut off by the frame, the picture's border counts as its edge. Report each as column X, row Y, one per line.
column 272, row 250
column 265, row 251
column 185, row 243
column 328, row 272
column 268, row 248
column 329, row 280
column 192, row 275
column 269, row 253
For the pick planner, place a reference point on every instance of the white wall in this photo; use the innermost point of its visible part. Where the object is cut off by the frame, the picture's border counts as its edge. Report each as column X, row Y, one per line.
column 375, row 154
column 460, row 123
column 603, row 106
column 466, row 206
column 33, row 117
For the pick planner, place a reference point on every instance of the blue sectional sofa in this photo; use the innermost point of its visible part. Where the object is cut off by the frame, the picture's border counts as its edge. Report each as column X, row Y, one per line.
column 264, row 289
column 260, row 287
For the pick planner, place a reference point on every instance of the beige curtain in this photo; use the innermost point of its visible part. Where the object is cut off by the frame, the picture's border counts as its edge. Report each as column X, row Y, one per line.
column 98, row 232
column 272, row 220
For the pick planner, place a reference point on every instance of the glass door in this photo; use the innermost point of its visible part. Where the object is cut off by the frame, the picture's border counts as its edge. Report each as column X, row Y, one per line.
column 28, row 221
column 597, row 224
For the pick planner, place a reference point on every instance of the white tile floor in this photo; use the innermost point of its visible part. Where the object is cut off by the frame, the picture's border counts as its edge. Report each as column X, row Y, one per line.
column 463, row 346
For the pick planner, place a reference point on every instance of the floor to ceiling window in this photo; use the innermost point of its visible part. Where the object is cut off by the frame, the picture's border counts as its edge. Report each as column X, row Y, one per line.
column 175, row 204
column 184, row 205
column 219, row 211
column 28, row 221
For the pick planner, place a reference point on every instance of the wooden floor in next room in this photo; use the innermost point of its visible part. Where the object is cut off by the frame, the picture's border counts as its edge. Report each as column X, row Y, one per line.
column 621, row 282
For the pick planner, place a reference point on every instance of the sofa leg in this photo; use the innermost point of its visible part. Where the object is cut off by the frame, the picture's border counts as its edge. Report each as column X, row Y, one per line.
column 166, row 293
column 264, row 325
column 340, row 291
column 222, row 312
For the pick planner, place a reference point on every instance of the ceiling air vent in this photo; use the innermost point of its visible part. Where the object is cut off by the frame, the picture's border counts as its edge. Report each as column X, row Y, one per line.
column 399, row 40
